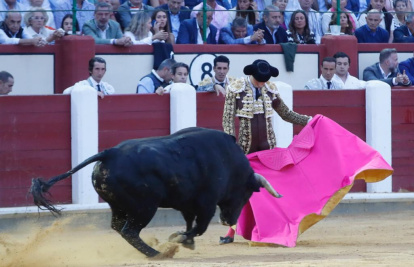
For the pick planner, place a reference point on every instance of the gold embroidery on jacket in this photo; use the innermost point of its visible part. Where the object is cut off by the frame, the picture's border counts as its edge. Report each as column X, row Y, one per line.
column 241, row 88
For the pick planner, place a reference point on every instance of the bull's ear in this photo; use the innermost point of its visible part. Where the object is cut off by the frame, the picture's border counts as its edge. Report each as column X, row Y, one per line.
column 253, row 184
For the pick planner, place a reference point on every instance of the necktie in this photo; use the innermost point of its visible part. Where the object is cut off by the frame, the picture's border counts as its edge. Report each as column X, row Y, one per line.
column 329, row 85
column 99, row 88
column 258, row 93
column 222, row 84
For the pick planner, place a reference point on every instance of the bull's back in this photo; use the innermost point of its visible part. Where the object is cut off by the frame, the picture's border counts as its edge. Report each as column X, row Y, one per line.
column 177, row 169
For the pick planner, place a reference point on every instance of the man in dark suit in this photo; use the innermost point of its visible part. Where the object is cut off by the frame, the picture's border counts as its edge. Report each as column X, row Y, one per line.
column 239, row 32
column 372, row 32
column 272, row 18
column 407, row 67
column 404, row 34
column 386, row 70
column 176, row 14
column 191, row 30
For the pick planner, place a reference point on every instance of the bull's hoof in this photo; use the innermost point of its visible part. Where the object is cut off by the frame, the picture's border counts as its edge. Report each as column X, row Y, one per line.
column 189, row 243
column 226, row 240
column 177, row 237
column 152, row 254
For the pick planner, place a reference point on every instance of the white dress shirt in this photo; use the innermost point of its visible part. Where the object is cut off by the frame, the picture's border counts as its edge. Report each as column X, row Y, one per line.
column 351, row 82
column 105, row 87
column 322, row 84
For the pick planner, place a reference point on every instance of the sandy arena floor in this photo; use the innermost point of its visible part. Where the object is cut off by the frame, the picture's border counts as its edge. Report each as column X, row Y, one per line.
column 385, row 239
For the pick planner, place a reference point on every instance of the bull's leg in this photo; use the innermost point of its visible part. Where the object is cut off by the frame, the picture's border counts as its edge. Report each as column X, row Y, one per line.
column 179, row 236
column 189, row 219
column 202, row 221
column 119, row 219
column 130, row 232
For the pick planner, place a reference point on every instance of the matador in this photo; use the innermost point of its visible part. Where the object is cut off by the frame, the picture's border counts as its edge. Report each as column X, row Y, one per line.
column 252, row 99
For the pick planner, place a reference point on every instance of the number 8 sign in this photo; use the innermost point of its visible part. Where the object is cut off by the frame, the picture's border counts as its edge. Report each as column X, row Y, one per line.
column 201, row 67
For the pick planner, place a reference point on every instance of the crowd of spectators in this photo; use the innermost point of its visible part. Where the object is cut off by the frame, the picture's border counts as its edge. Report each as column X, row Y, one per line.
column 144, row 22
column 128, row 22
column 334, row 75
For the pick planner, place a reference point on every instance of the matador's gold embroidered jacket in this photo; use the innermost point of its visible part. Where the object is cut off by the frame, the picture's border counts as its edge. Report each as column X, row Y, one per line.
column 241, row 103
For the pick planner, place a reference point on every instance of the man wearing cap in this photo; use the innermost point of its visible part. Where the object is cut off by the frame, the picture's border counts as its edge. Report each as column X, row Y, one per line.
column 252, row 99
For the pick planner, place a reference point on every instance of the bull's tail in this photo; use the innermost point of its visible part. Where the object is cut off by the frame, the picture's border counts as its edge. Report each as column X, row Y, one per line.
column 40, row 187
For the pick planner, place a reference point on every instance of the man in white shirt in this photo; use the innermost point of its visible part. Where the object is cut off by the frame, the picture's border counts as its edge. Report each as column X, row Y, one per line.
column 342, row 75
column 97, row 69
column 325, row 81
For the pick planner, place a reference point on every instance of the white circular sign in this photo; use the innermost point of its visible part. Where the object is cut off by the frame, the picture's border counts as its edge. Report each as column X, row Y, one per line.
column 201, row 67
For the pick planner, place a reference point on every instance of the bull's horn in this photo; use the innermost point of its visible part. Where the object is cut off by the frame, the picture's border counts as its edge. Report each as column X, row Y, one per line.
column 264, row 183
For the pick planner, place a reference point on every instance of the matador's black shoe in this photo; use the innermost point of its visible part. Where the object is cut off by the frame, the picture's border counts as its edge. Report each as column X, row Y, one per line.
column 226, row 240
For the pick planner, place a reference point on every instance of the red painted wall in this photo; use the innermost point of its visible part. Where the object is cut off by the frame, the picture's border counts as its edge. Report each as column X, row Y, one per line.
column 403, row 140
column 35, row 132
column 124, row 117
column 34, row 142
column 210, row 110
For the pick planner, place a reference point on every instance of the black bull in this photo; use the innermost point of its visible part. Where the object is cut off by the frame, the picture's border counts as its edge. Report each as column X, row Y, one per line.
column 192, row 171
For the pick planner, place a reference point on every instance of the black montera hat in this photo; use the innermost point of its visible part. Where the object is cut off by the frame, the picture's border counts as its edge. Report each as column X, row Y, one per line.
column 261, row 70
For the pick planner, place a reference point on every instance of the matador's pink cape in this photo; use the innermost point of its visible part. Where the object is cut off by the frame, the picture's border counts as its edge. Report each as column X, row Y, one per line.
column 313, row 174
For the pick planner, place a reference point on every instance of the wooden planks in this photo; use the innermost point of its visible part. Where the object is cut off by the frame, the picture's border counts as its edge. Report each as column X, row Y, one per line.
column 403, row 139
column 35, row 142
column 124, row 117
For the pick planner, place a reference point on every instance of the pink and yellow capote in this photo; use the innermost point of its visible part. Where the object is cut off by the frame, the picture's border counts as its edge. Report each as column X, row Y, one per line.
column 313, row 174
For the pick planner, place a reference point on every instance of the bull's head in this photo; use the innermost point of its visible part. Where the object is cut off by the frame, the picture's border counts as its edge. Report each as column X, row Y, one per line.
column 231, row 209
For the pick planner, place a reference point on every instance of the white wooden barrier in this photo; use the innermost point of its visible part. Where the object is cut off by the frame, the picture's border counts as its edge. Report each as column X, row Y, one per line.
column 183, row 105
column 84, row 132
column 283, row 130
column 378, row 127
